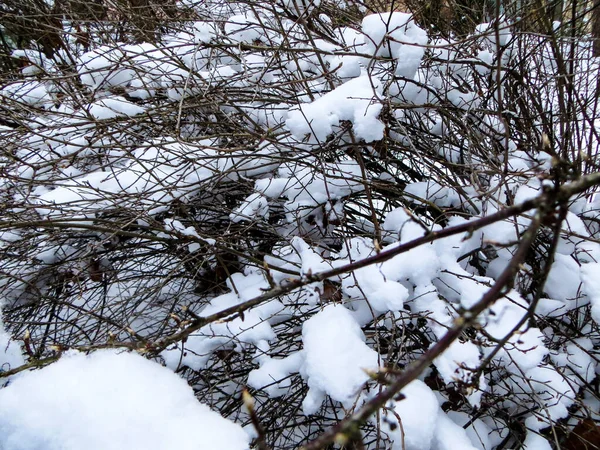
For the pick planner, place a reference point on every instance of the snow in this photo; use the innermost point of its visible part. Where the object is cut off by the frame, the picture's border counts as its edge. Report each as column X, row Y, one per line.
column 336, row 357
column 590, row 276
column 204, row 32
column 32, row 93
column 418, row 415
column 576, row 358
column 273, row 376
column 301, row 7
column 534, row 441
column 552, row 390
column 312, row 262
column 450, row 436
column 477, row 431
column 244, row 28
column 433, row 192
column 563, row 281
column 371, row 283
column 399, row 221
column 251, row 329
column 255, row 206
column 385, row 33
column 159, row 173
column 109, row 108
column 250, row 148
column 96, row 68
column 355, row 100
column 11, row 356
column 458, row 362
column 109, row 400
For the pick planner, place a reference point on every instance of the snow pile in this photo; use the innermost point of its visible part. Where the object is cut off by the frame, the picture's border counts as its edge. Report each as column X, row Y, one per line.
column 416, row 422
column 301, row 7
column 356, row 101
column 109, row 108
column 590, row 276
column 31, row 93
column 384, row 293
column 274, row 375
column 312, row 202
column 154, row 176
column 386, row 34
column 254, row 206
column 336, row 358
column 252, row 329
column 110, row 401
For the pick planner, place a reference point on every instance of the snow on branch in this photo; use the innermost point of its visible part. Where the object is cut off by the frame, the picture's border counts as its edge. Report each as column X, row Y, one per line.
column 347, row 223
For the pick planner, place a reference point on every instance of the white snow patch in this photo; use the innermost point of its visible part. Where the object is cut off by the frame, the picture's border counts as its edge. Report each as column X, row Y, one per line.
column 418, row 413
column 273, row 376
column 109, row 401
column 109, row 108
column 356, row 100
column 10, row 352
column 385, row 33
column 590, row 276
column 336, row 357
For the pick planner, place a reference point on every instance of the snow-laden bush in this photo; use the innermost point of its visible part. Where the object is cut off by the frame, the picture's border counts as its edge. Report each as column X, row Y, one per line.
column 389, row 236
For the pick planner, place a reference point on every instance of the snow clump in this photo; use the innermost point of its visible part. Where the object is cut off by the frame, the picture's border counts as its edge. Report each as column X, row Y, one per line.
column 109, row 401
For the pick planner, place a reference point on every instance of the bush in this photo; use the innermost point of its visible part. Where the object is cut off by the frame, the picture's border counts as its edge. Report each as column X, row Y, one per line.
column 385, row 229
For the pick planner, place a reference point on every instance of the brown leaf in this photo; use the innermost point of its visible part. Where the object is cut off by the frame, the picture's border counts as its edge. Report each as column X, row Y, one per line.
column 95, row 270
column 331, row 292
column 585, row 436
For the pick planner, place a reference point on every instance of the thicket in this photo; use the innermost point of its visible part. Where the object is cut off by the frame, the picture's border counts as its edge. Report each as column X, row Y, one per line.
column 278, row 195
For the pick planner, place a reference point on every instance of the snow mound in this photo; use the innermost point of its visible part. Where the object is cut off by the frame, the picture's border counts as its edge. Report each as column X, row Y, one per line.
column 29, row 92
column 418, row 412
column 355, row 100
column 386, row 34
column 273, row 376
column 109, row 401
column 336, row 356
column 416, row 422
column 109, row 108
